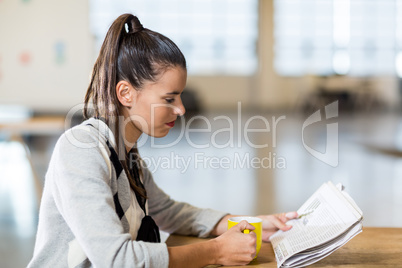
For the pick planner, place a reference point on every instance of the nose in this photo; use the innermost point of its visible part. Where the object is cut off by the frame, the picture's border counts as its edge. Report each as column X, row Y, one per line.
column 179, row 109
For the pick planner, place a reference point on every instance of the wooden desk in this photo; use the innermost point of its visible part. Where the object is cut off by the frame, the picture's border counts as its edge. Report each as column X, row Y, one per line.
column 374, row 247
column 44, row 125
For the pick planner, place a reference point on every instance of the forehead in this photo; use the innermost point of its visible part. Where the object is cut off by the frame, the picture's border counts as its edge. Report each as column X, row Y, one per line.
column 172, row 79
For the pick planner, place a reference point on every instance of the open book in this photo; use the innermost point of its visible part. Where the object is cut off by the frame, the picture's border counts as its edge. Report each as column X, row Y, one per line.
column 327, row 221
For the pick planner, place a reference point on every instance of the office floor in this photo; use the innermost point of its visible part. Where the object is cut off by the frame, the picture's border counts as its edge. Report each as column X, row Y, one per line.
column 223, row 168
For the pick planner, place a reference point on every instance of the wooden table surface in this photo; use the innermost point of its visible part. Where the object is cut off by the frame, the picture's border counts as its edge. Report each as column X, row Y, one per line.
column 41, row 125
column 374, row 247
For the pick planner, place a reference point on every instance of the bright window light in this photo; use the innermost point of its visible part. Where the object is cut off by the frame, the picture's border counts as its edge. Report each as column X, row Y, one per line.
column 341, row 62
column 398, row 64
column 216, row 36
column 357, row 38
column 341, row 19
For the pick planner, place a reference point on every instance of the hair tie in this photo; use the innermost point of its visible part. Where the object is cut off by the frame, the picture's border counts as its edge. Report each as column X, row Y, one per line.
column 133, row 25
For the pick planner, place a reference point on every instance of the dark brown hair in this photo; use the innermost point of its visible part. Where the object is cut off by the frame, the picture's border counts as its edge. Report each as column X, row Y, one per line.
column 134, row 54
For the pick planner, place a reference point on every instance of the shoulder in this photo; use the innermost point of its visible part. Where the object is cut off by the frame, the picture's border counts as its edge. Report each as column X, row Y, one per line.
column 83, row 143
column 90, row 134
column 81, row 150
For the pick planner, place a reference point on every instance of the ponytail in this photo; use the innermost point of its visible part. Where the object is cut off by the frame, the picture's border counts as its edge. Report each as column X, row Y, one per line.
column 101, row 89
column 134, row 54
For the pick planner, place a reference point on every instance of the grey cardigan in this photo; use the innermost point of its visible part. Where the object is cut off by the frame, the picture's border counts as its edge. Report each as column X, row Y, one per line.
column 78, row 224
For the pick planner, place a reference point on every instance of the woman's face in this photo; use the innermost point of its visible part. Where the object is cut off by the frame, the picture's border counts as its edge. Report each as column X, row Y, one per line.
column 157, row 105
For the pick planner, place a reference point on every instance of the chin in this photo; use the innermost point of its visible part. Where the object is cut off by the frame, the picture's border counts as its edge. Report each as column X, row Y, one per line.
column 159, row 134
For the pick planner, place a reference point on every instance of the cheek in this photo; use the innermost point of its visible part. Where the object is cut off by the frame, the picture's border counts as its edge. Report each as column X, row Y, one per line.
column 156, row 122
column 152, row 114
column 162, row 113
column 155, row 118
column 140, row 115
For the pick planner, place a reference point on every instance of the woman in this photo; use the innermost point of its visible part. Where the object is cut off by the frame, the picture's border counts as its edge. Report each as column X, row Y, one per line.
column 101, row 207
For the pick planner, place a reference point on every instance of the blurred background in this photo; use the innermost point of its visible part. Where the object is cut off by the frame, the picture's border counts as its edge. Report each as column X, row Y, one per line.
column 264, row 66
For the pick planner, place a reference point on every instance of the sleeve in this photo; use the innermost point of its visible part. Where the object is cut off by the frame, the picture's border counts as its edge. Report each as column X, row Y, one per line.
column 84, row 198
column 178, row 217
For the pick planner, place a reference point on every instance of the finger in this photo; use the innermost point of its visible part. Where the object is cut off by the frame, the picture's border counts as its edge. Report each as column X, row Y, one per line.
column 280, row 224
column 291, row 215
column 253, row 234
column 284, row 217
column 281, row 217
column 243, row 225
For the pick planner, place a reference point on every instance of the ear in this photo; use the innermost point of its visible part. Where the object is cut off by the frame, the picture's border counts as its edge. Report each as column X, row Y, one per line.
column 126, row 93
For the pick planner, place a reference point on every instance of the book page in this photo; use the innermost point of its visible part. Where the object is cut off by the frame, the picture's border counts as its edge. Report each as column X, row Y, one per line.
column 329, row 216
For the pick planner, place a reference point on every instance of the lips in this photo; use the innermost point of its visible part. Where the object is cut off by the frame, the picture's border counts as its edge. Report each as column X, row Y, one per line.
column 170, row 124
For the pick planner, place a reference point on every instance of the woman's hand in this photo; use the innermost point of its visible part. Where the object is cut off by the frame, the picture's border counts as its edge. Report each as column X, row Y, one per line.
column 234, row 247
column 231, row 248
column 273, row 223
column 270, row 224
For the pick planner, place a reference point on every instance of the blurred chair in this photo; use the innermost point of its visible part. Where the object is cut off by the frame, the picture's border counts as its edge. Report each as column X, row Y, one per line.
column 353, row 93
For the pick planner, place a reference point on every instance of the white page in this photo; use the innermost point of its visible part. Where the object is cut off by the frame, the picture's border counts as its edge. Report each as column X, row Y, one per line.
column 347, row 199
column 311, row 257
column 331, row 216
column 325, row 253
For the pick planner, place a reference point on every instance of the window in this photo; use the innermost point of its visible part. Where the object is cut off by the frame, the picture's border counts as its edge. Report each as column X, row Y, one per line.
column 216, row 36
column 324, row 37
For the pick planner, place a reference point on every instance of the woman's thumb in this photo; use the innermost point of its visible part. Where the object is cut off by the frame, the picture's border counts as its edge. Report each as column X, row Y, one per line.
column 244, row 225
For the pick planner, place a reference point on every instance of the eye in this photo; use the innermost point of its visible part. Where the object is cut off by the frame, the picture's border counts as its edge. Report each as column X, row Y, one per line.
column 169, row 100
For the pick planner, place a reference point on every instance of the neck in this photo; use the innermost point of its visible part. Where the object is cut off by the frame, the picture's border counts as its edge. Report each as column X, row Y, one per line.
column 131, row 133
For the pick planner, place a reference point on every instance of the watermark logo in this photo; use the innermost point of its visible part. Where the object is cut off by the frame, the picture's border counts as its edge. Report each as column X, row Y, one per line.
column 331, row 154
column 241, row 137
column 200, row 160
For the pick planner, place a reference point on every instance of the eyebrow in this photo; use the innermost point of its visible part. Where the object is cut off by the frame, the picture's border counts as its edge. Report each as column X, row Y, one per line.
column 173, row 93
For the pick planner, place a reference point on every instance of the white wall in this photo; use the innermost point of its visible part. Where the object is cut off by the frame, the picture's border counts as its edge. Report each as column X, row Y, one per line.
column 48, row 80
column 44, row 84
